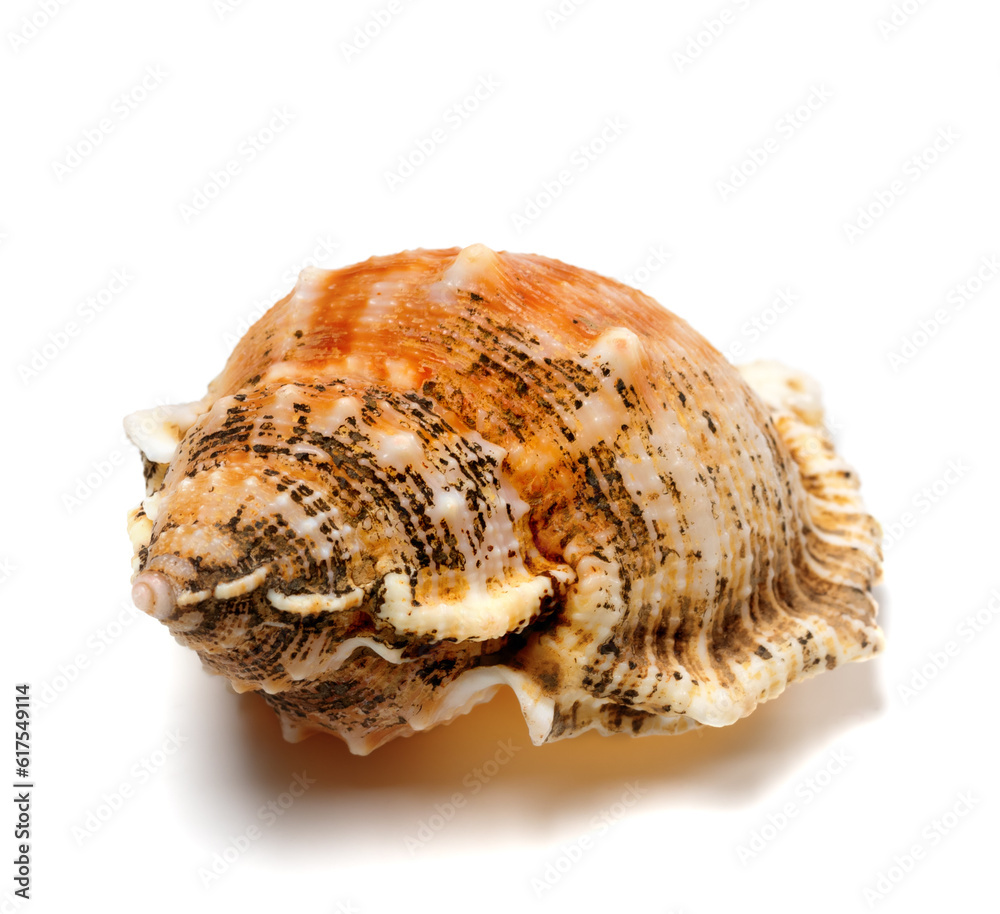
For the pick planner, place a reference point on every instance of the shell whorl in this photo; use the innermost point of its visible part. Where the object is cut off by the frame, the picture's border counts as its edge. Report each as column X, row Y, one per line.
column 428, row 475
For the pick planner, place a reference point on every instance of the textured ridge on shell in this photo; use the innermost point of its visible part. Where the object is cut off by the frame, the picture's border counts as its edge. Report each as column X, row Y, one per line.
column 430, row 475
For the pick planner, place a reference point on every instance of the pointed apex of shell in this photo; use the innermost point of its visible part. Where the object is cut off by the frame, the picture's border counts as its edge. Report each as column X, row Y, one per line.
column 153, row 595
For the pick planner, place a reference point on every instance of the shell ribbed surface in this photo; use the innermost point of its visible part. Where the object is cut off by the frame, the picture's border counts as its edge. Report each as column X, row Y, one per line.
column 431, row 475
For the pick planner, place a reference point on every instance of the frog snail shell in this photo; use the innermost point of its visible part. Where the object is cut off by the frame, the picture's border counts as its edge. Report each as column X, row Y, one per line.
column 433, row 474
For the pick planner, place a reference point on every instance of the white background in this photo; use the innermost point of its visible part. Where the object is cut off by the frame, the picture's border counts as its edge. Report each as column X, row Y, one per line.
column 867, row 769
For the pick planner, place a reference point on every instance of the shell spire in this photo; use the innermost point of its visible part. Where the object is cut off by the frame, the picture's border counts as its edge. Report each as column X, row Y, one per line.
column 427, row 476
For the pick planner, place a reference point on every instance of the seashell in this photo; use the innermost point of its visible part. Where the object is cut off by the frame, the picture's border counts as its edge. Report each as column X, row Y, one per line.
column 427, row 476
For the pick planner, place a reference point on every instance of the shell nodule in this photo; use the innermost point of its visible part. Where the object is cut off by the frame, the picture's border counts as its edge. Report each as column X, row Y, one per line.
column 429, row 475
